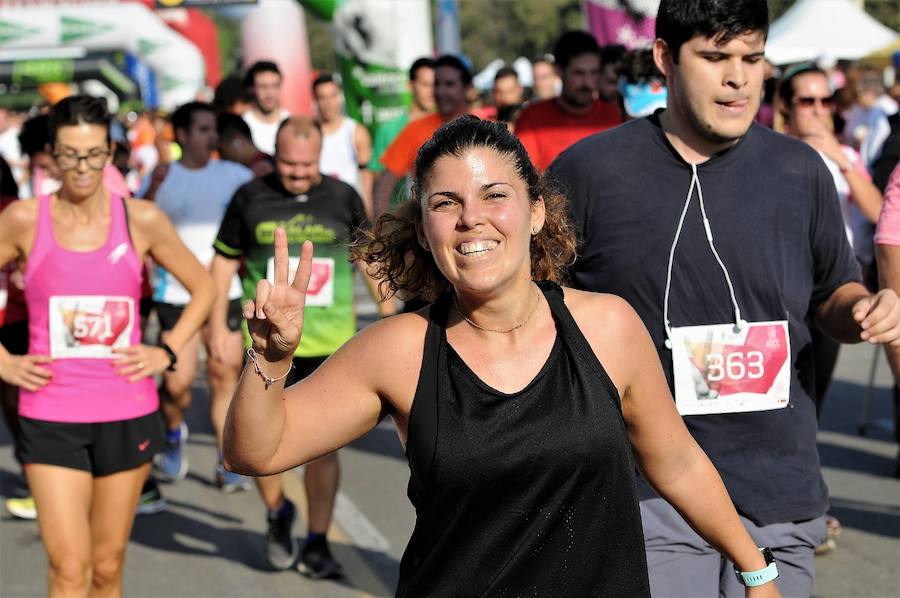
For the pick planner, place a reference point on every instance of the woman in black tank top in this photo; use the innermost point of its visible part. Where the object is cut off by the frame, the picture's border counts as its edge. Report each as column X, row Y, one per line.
column 525, row 407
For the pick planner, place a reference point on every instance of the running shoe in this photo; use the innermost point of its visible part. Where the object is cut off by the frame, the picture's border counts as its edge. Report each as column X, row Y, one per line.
column 172, row 463
column 151, row 500
column 230, row 482
column 22, row 508
column 281, row 545
column 316, row 561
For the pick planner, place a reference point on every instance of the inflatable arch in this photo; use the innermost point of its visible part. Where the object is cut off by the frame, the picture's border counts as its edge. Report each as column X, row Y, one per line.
column 130, row 27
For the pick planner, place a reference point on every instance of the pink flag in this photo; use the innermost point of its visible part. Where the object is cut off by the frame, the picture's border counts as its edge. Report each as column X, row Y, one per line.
column 631, row 23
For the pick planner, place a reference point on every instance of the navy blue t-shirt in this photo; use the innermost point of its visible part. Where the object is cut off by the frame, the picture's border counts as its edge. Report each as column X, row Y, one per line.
column 774, row 214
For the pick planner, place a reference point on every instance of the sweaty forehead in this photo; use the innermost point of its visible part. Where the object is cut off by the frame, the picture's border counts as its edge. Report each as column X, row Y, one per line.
column 298, row 148
column 477, row 165
column 81, row 136
column 806, row 82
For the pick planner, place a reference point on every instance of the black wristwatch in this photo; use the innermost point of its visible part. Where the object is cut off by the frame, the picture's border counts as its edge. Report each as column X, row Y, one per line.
column 173, row 359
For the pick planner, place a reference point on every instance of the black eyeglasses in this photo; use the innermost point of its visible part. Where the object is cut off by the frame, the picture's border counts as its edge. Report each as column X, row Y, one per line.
column 95, row 159
column 809, row 101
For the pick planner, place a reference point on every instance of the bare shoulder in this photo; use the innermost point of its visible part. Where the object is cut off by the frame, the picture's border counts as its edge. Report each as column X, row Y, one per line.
column 395, row 340
column 143, row 213
column 20, row 215
column 18, row 222
column 602, row 314
column 390, row 352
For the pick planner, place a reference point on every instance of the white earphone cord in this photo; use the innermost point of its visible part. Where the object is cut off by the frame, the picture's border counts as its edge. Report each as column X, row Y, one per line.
column 695, row 180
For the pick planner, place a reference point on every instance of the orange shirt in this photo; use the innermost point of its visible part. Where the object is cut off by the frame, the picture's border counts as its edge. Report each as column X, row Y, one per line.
column 400, row 156
column 545, row 130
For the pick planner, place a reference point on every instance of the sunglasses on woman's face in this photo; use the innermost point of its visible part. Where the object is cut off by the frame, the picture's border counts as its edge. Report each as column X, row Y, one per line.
column 810, row 101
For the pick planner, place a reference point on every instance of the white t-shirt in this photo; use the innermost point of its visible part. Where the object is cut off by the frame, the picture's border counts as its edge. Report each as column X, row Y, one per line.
column 11, row 152
column 195, row 201
column 859, row 230
column 338, row 157
column 868, row 128
column 264, row 133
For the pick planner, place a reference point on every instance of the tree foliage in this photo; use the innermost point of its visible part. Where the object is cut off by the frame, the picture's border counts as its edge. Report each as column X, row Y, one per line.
column 508, row 29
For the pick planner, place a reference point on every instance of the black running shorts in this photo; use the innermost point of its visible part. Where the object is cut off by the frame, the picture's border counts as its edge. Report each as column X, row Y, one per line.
column 15, row 337
column 168, row 315
column 303, row 367
column 99, row 449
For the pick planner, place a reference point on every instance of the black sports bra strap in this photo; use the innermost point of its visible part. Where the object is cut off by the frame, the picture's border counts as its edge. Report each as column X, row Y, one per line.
column 421, row 438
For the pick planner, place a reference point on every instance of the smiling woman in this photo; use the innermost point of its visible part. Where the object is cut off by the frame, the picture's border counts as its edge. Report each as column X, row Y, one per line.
column 403, row 259
column 524, row 407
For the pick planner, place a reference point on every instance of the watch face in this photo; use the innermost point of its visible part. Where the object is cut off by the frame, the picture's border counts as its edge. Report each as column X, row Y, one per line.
column 767, row 554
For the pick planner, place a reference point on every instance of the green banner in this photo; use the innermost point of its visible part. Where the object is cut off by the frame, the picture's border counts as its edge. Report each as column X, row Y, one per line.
column 374, row 61
column 11, row 31
column 72, row 29
column 35, row 72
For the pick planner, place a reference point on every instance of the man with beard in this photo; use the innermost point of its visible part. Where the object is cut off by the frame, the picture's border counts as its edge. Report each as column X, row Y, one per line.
column 452, row 81
column 309, row 206
column 727, row 239
column 548, row 127
column 263, row 80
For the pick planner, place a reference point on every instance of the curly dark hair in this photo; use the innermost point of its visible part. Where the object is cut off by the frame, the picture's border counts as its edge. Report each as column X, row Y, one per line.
column 392, row 251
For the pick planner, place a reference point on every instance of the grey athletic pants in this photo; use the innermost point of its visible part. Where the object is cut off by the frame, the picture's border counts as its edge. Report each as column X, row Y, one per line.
column 683, row 565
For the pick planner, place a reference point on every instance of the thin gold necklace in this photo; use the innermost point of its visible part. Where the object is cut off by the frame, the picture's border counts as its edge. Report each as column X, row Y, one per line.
column 537, row 300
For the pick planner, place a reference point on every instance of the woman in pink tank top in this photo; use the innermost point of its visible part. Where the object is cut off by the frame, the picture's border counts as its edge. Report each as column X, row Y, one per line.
column 88, row 405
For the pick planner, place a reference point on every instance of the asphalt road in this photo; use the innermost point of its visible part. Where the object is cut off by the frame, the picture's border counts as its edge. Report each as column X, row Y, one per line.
column 210, row 544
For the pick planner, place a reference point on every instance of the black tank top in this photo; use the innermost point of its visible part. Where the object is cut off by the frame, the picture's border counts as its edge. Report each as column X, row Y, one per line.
column 525, row 494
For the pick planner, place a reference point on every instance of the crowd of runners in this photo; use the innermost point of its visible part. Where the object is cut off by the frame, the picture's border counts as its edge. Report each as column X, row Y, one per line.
column 746, row 216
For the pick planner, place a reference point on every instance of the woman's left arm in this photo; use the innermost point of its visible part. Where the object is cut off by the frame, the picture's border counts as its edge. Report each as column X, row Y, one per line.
column 154, row 234
column 668, row 456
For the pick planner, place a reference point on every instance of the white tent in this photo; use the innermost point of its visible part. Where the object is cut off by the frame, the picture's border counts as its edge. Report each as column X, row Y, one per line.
column 834, row 28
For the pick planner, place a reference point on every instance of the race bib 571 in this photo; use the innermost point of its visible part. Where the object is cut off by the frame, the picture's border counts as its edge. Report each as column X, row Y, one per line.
column 89, row 326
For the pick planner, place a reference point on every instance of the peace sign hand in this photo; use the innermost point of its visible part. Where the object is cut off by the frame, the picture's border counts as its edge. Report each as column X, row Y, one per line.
column 275, row 318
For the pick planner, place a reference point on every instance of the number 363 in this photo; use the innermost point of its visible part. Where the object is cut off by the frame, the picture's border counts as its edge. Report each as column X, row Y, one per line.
column 736, row 366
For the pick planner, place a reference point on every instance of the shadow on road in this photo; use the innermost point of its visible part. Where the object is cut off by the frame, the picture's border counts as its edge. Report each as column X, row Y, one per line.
column 882, row 520
column 382, row 441
column 856, row 460
column 175, row 531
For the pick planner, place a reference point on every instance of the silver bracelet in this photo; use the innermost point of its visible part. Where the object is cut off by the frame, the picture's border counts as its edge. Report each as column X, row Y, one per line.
column 254, row 357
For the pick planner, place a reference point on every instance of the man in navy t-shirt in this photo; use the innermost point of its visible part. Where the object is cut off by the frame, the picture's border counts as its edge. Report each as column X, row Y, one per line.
column 727, row 239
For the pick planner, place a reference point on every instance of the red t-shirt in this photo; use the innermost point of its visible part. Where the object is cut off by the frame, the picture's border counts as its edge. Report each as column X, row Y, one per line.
column 546, row 130
column 400, row 156
column 12, row 297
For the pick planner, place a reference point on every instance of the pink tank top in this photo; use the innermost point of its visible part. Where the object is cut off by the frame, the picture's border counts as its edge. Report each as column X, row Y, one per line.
column 81, row 305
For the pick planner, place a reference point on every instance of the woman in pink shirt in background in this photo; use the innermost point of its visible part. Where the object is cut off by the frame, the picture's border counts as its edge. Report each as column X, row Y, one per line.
column 887, row 251
column 88, row 402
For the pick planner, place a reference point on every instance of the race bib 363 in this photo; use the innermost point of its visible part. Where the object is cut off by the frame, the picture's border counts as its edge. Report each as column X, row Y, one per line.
column 719, row 369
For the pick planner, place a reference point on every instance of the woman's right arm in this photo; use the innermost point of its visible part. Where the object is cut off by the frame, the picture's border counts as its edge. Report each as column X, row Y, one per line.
column 17, row 222
column 269, row 430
